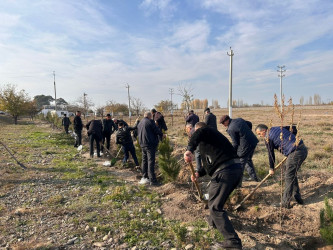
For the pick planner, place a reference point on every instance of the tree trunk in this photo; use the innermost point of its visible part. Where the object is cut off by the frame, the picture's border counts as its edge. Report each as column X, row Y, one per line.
column 15, row 119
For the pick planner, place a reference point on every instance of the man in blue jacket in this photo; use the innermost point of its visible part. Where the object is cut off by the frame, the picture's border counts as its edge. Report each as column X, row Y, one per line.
column 244, row 141
column 192, row 118
column 296, row 153
column 148, row 134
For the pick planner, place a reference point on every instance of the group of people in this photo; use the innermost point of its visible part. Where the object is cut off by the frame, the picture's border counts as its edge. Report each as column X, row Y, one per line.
column 149, row 131
column 225, row 162
column 215, row 155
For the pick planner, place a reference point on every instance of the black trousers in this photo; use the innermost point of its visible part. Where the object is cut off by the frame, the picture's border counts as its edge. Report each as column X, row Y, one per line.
column 95, row 138
column 148, row 163
column 222, row 184
column 129, row 148
column 78, row 141
column 107, row 137
column 247, row 163
column 293, row 163
column 66, row 129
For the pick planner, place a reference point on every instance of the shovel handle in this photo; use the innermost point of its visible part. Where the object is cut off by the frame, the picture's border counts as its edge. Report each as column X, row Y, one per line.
column 195, row 182
column 263, row 180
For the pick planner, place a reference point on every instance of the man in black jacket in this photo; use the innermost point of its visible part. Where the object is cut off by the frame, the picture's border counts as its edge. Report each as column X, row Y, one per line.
column 148, row 134
column 192, row 118
column 220, row 161
column 116, row 121
column 66, row 122
column 244, row 141
column 210, row 119
column 78, row 129
column 159, row 121
column 108, row 128
column 123, row 137
column 94, row 128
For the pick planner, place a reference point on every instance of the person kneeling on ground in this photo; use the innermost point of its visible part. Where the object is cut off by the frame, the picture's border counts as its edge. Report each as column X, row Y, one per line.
column 123, row 137
column 220, row 161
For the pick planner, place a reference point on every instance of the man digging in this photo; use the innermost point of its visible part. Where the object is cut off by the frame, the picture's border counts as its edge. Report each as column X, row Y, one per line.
column 221, row 162
column 296, row 153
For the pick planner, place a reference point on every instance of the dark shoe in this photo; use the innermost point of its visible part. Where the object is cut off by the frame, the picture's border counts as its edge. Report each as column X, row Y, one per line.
column 155, row 183
column 227, row 245
column 75, row 146
column 299, row 200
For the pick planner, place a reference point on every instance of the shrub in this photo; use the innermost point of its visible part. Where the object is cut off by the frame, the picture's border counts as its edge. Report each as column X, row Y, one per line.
column 326, row 222
column 168, row 164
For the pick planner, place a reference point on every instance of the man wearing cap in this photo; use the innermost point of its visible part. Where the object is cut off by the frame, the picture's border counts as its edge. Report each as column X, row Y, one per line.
column 244, row 141
column 220, row 161
column 210, row 119
column 192, row 118
column 108, row 128
column 295, row 150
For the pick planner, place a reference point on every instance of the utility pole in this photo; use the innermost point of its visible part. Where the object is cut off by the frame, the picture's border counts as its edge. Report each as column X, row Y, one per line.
column 281, row 70
column 171, row 93
column 55, row 93
column 230, row 83
column 85, row 104
column 129, row 103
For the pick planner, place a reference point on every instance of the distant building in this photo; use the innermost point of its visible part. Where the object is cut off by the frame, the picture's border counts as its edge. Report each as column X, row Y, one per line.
column 61, row 110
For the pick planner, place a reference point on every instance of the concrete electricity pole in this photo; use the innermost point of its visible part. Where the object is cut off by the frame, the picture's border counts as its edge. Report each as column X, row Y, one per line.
column 230, row 82
column 85, row 104
column 55, row 93
column 171, row 93
column 281, row 70
column 129, row 103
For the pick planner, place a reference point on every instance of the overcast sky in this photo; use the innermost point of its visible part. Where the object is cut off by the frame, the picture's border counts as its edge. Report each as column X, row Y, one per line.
column 97, row 46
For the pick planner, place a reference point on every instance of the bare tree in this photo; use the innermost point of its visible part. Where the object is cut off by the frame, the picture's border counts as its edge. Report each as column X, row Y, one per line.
column 301, row 100
column 316, row 99
column 185, row 91
column 137, row 105
column 85, row 103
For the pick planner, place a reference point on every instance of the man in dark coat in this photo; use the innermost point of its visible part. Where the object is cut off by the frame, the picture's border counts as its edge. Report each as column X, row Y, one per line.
column 66, row 122
column 78, row 128
column 94, row 128
column 116, row 121
column 159, row 121
column 210, row 119
column 220, row 161
column 296, row 152
column 108, row 128
column 244, row 141
column 192, row 118
column 148, row 134
column 123, row 137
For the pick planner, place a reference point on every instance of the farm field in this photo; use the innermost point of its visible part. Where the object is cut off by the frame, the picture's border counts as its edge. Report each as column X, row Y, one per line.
column 64, row 200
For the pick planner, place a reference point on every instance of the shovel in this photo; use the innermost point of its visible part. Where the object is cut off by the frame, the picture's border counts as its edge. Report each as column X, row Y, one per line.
column 201, row 198
column 114, row 160
column 19, row 163
column 263, row 180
